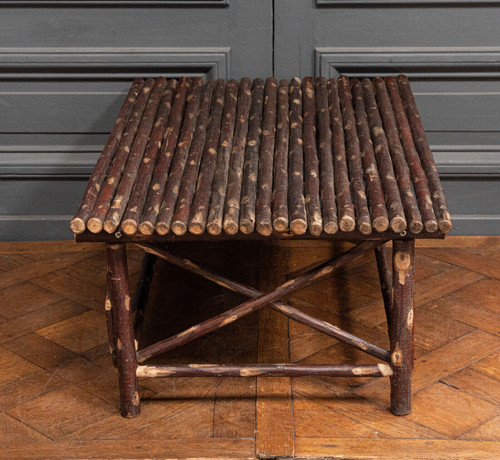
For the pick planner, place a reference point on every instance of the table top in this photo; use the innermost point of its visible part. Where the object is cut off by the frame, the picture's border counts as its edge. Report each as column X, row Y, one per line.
column 313, row 158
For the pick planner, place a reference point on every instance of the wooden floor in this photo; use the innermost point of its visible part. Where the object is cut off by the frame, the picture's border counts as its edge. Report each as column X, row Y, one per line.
column 58, row 391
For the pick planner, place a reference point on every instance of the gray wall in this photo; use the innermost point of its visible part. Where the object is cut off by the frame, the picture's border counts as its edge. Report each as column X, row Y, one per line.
column 65, row 66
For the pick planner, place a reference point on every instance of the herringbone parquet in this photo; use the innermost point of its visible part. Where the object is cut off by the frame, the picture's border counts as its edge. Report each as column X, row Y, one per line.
column 58, row 388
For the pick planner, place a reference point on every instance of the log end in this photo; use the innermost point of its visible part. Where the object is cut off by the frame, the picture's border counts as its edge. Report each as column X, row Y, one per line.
column 365, row 228
column 298, row 226
column 230, row 227
column 247, row 226
column 280, row 224
column 347, row 224
column 380, row 224
column 264, row 228
column 431, row 226
column 214, row 228
column 331, row 227
column 94, row 225
column 445, row 225
column 162, row 228
column 129, row 227
column 77, row 225
column 196, row 228
column 109, row 226
column 179, row 227
column 398, row 224
column 146, row 228
column 416, row 226
column 316, row 228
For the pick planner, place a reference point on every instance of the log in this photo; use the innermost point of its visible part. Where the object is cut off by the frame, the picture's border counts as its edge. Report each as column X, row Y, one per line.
column 354, row 157
column 417, row 173
column 198, row 213
column 410, row 205
column 426, row 158
column 385, row 277
column 266, row 157
column 378, row 211
column 280, row 185
column 265, row 370
column 341, row 173
column 179, row 159
column 296, row 201
column 254, row 304
column 393, row 203
column 110, row 323
column 251, row 164
column 94, row 185
column 287, row 310
column 120, row 201
column 95, row 222
column 204, row 144
column 233, row 195
column 330, row 219
column 311, row 167
column 219, row 188
column 135, row 204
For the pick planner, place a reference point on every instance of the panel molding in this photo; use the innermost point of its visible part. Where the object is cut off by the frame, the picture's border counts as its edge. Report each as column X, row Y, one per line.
column 403, row 2
column 417, row 62
column 127, row 3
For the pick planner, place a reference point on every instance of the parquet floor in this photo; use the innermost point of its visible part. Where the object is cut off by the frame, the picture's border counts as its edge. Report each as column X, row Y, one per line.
column 58, row 391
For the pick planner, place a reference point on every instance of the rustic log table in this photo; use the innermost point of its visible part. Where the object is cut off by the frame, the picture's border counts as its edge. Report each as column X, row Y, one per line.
column 338, row 159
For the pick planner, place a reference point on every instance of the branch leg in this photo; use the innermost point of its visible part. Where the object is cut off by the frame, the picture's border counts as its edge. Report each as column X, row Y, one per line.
column 385, row 276
column 125, row 346
column 401, row 325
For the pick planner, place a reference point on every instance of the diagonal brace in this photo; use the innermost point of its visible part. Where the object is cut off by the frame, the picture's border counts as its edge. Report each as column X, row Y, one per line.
column 259, row 300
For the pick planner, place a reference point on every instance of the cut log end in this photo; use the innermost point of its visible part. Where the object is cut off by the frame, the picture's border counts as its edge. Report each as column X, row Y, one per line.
column 146, row 228
column 365, row 228
column 264, row 228
column 347, row 224
column 129, row 227
column 94, row 225
column 77, row 225
column 179, row 227
column 315, row 228
column 331, row 228
column 196, row 228
column 280, row 224
column 416, row 226
column 380, row 224
column 298, row 226
column 431, row 226
column 247, row 227
column 445, row 225
column 398, row 224
column 110, row 227
column 231, row 227
column 214, row 228
column 162, row 228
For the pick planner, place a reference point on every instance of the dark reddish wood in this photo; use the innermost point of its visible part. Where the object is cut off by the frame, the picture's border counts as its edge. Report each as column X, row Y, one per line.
column 78, row 223
column 254, row 304
column 385, row 277
column 204, row 145
column 191, row 115
column 251, row 164
column 197, row 215
column 378, row 211
column 417, row 173
column 141, row 292
column 160, row 175
column 401, row 325
column 125, row 346
column 95, row 222
column 219, row 188
column 135, row 204
column 120, row 201
column 347, row 222
column 426, row 158
column 266, row 157
column 363, row 220
column 296, row 201
column 287, row 310
column 265, row 370
column 233, row 195
column 311, row 167
column 393, row 203
column 398, row 158
column 329, row 207
column 280, row 176
column 108, row 308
